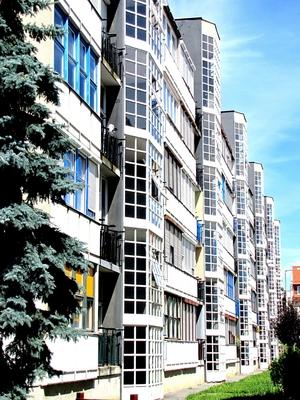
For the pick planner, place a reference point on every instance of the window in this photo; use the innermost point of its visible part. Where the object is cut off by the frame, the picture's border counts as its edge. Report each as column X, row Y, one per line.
column 188, row 256
column 136, row 19
column 211, row 299
column 298, row 289
column 156, row 36
column 172, row 320
column 187, row 131
column 210, row 72
column 135, row 178
column 209, row 128
column 136, row 88
column 188, row 321
column 172, row 174
column 75, row 61
column 170, row 103
column 85, row 281
column 212, row 353
column 210, row 246
column 253, row 301
column 135, row 355
column 85, row 173
column 171, row 40
column 135, row 276
column 230, row 330
column 173, row 244
column 230, row 285
column 210, row 195
column 59, row 43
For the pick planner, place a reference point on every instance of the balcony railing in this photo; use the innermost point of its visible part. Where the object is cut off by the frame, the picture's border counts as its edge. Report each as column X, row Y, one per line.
column 110, row 245
column 111, row 54
column 109, row 346
column 111, row 147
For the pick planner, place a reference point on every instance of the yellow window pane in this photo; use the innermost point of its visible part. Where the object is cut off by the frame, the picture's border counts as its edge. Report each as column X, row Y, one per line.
column 90, row 282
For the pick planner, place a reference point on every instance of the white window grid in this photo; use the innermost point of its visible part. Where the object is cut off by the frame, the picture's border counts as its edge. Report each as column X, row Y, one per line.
column 242, row 276
column 155, row 369
column 210, row 194
column 212, row 353
column 211, row 248
column 209, row 137
column 135, row 178
column 211, row 302
column 136, row 13
column 135, row 356
column 135, row 276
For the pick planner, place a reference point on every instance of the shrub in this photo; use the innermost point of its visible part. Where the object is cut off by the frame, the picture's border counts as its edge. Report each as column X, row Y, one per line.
column 285, row 372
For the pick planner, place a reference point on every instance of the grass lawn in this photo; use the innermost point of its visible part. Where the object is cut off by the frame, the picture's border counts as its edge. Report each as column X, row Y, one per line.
column 258, row 386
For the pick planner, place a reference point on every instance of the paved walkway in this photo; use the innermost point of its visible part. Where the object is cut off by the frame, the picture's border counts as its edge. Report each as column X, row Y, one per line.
column 182, row 394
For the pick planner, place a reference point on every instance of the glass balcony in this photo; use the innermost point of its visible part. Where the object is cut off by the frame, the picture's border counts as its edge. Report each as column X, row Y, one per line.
column 110, row 245
column 111, row 147
column 109, row 346
column 111, row 54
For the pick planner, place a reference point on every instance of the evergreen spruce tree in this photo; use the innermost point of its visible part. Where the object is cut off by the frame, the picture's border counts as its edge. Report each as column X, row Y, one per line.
column 37, row 299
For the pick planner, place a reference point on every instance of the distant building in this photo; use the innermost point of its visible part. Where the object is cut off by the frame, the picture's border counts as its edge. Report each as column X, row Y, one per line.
column 295, row 286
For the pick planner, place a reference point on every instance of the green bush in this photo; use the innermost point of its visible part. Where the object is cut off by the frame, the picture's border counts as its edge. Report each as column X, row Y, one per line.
column 285, row 372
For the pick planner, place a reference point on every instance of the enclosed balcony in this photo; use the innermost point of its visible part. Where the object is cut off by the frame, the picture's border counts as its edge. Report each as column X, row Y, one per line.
column 109, row 346
column 111, row 146
column 111, row 69
column 110, row 244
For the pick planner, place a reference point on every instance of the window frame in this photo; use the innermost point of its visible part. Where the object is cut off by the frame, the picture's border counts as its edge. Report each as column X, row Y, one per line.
column 73, row 59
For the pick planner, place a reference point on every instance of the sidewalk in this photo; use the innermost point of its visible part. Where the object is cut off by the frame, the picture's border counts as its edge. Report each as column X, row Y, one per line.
column 182, row 394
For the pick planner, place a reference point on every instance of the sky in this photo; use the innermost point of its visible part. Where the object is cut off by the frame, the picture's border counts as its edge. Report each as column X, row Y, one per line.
column 260, row 57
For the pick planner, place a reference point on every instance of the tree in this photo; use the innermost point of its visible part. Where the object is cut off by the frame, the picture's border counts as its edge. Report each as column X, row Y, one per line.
column 37, row 299
column 284, row 371
column 287, row 325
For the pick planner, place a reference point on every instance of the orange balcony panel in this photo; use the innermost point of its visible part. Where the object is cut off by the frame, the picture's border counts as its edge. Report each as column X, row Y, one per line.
column 296, row 275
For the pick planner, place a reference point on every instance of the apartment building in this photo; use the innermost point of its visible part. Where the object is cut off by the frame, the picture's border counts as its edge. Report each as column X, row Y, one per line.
column 272, row 272
column 161, row 305
column 235, row 124
column 88, row 57
column 216, row 161
column 256, row 179
column 172, row 218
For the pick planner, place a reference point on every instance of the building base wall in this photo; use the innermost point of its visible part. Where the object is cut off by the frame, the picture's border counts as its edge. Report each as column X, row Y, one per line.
column 183, row 378
column 232, row 369
column 105, row 387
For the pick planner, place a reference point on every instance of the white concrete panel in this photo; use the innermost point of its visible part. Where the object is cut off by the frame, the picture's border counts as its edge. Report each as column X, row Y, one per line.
column 180, row 150
column 79, row 226
column 180, row 354
column 229, row 305
column 82, row 123
column 181, row 281
column 77, row 360
column 230, row 353
column 181, row 213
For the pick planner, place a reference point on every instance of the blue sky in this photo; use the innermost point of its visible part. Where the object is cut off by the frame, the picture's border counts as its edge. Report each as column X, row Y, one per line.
column 260, row 46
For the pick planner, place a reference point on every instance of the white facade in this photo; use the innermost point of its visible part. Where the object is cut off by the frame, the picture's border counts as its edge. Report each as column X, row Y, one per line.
column 256, row 179
column 160, row 290
column 234, row 124
column 216, row 159
column 92, row 113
